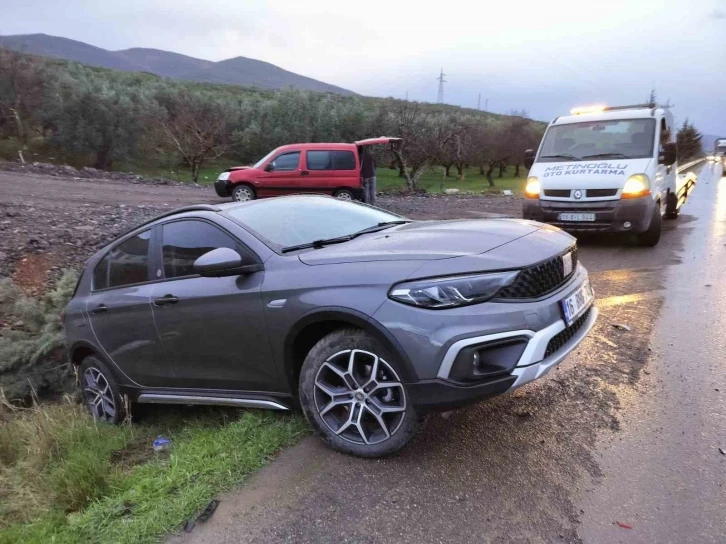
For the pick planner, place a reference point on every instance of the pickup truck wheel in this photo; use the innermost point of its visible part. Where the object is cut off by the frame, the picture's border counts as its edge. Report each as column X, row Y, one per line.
column 650, row 237
column 100, row 391
column 243, row 193
column 351, row 394
column 344, row 194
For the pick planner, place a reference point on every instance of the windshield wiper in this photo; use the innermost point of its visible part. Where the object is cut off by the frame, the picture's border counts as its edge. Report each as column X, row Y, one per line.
column 606, row 156
column 561, row 156
column 317, row 244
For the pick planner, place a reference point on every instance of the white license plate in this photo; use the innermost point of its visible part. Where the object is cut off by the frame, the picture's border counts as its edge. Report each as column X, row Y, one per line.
column 579, row 301
column 576, row 217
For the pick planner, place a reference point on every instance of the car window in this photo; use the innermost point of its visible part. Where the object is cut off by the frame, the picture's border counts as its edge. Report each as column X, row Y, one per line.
column 343, row 160
column 183, row 242
column 125, row 264
column 319, row 160
column 286, row 161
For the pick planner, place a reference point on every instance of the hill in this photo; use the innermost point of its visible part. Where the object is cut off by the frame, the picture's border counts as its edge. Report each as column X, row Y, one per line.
column 241, row 71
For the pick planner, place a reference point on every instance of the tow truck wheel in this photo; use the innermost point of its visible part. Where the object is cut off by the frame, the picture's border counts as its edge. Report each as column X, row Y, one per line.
column 650, row 237
column 672, row 210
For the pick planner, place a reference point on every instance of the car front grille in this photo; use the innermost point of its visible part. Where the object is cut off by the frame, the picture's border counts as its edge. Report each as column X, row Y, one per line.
column 595, row 193
column 540, row 279
column 561, row 338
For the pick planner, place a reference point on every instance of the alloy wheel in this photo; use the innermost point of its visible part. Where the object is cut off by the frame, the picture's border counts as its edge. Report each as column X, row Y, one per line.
column 243, row 194
column 359, row 397
column 344, row 195
column 99, row 396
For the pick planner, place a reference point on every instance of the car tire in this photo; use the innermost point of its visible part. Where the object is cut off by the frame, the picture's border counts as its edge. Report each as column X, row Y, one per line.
column 672, row 210
column 344, row 194
column 243, row 193
column 352, row 410
column 650, row 237
column 100, row 391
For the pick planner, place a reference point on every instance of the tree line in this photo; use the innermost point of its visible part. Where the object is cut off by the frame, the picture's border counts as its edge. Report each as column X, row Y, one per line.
column 96, row 117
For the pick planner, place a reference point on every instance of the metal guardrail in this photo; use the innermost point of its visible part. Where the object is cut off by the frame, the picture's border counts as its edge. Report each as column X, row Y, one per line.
column 686, row 166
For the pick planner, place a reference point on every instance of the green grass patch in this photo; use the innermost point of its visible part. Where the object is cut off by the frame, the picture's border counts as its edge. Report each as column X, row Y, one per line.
column 434, row 181
column 66, row 478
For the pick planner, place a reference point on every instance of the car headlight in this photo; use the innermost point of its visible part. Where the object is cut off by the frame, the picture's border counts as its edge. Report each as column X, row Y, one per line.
column 637, row 185
column 449, row 292
column 224, row 176
column 533, row 187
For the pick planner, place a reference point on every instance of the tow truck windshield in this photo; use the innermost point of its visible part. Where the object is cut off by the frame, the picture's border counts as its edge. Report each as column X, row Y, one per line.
column 592, row 140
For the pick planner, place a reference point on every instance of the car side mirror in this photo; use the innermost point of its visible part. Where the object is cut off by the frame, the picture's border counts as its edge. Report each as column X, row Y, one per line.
column 225, row 262
column 269, row 167
column 669, row 154
column 528, row 158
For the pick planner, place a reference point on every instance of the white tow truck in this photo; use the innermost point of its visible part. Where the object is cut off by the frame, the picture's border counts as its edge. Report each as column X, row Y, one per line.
column 607, row 169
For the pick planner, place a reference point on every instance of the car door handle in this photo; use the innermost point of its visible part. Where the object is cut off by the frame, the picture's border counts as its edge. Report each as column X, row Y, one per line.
column 304, row 173
column 166, row 299
column 100, row 309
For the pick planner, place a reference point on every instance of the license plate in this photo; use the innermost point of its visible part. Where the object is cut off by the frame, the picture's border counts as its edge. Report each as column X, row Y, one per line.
column 579, row 301
column 576, row 217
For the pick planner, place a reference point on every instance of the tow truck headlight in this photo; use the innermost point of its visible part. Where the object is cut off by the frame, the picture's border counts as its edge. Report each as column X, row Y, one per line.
column 533, row 187
column 450, row 292
column 636, row 186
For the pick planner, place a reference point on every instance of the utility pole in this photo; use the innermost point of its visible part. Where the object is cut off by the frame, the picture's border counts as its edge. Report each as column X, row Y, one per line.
column 441, row 80
column 478, row 103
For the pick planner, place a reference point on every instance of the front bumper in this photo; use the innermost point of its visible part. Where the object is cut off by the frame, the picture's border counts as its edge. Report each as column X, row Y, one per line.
column 221, row 186
column 434, row 340
column 610, row 215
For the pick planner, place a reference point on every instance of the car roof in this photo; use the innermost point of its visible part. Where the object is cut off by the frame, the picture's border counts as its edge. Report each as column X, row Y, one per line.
column 331, row 146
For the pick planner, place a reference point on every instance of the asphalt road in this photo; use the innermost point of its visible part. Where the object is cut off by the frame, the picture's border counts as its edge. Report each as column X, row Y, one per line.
column 626, row 430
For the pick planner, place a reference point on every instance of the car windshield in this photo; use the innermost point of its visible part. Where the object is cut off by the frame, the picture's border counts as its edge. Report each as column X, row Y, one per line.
column 285, row 222
column 264, row 159
column 617, row 139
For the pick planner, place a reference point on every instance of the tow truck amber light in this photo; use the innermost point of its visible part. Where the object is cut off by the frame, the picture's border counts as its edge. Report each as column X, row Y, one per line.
column 587, row 109
column 637, row 185
column 533, row 188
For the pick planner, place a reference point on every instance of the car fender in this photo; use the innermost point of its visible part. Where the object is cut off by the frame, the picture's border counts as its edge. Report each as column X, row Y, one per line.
column 356, row 319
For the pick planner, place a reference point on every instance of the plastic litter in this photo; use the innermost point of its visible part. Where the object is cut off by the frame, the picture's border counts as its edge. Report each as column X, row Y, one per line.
column 622, row 327
column 507, row 192
column 161, row 443
column 624, row 525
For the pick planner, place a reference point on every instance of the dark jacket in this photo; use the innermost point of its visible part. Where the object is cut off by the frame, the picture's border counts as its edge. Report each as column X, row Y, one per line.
column 368, row 166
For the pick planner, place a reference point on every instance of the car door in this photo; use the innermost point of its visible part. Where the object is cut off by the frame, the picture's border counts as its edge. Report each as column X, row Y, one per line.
column 212, row 329
column 345, row 169
column 120, row 312
column 282, row 175
column 320, row 174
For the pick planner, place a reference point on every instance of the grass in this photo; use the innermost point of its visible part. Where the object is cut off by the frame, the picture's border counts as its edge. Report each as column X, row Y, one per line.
column 66, row 478
column 434, row 181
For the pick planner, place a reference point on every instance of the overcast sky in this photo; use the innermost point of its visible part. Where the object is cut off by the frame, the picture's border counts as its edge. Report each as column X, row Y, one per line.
column 541, row 56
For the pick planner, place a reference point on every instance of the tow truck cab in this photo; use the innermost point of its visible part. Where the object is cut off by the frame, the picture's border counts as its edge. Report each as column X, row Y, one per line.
column 607, row 169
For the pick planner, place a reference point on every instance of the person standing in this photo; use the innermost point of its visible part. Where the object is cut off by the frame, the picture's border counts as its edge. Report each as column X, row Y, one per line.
column 368, row 173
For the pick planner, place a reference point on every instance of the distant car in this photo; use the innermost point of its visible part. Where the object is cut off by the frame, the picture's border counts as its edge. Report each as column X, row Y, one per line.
column 365, row 319
column 331, row 169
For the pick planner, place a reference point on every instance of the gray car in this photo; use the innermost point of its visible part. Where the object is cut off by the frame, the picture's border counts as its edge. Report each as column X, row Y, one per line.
column 362, row 318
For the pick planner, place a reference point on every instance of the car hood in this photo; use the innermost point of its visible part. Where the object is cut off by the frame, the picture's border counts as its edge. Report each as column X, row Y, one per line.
column 425, row 241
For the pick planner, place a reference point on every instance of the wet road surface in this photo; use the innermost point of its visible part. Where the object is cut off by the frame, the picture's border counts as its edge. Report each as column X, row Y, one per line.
column 626, row 429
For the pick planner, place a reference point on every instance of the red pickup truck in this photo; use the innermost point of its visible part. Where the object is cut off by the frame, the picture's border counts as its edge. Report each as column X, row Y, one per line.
column 332, row 169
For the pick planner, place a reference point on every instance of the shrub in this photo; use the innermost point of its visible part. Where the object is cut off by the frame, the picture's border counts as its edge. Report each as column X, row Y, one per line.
column 31, row 342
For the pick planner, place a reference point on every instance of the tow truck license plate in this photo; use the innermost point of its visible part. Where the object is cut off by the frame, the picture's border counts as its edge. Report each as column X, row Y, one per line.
column 576, row 217
column 579, row 301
